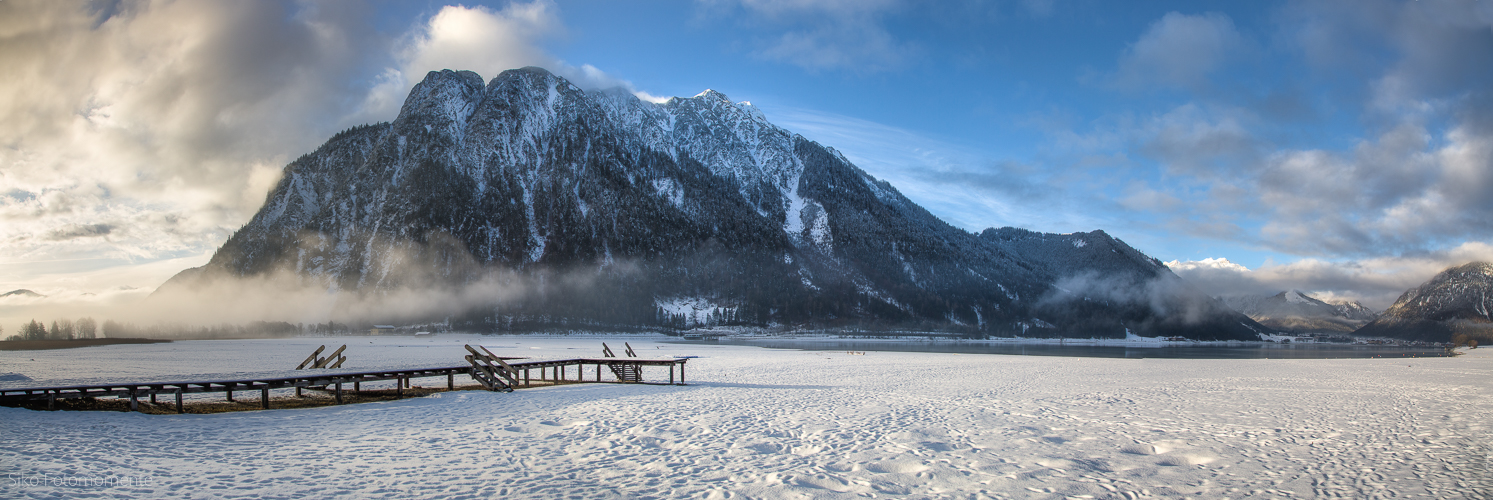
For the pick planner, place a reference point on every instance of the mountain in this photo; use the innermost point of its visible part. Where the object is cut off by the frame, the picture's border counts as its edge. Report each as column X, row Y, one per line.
column 596, row 208
column 21, row 293
column 1453, row 303
column 1295, row 312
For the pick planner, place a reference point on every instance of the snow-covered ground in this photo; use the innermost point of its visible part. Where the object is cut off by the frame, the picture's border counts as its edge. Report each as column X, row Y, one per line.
column 763, row 423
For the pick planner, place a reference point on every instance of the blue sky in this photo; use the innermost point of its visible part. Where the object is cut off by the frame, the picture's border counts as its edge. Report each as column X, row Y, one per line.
column 1342, row 148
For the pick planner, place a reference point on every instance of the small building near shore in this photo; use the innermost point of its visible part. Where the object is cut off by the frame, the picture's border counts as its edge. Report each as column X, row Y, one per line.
column 381, row 330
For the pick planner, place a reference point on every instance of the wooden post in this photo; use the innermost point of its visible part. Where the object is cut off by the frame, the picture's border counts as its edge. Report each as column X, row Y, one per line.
column 51, row 400
column 598, row 372
column 357, row 387
column 398, row 388
column 450, row 382
column 671, row 375
column 681, row 373
column 134, row 401
column 339, row 392
column 178, row 400
column 298, row 391
column 152, row 396
column 264, row 397
column 230, row 392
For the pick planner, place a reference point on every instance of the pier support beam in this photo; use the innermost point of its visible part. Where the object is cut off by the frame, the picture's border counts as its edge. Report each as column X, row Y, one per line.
column 339, row 392
column 264, row 397
column 178, row 400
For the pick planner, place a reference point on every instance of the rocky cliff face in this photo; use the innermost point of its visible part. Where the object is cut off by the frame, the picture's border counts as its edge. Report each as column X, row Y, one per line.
column 1294, row 312
column 602, row 209
column 1458, row 301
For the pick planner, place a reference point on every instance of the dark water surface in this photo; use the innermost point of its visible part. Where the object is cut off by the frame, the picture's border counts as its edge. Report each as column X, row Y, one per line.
column 1178, row 350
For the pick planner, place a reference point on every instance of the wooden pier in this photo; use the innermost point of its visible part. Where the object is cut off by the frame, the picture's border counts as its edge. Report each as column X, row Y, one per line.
column 517, row 375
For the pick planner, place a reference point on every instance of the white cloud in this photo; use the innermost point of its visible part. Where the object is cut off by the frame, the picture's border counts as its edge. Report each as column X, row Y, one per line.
column 1179, row 50
column 463, row 38
column 1405, row 191
column 824, row 34
column 1377, row 282
column 484, row 41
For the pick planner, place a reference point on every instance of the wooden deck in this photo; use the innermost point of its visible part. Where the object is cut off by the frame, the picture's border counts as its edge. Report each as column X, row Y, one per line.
column 525, row 375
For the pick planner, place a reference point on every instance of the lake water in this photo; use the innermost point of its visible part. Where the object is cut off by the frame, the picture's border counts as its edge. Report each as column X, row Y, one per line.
column 1082, row 350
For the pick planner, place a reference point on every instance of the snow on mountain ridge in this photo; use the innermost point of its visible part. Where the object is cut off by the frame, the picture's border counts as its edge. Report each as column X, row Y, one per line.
column 605, row 207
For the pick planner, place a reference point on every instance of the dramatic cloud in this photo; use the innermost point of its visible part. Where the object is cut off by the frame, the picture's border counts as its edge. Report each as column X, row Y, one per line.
column 462, row 38
column 152, row 130
column 823, row 34
column 1419, row 179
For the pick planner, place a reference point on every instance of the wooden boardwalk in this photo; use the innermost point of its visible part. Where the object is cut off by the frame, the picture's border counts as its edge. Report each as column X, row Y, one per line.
column 519, row 375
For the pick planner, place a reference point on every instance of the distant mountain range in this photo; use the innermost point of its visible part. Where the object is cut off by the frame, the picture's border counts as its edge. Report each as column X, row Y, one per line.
column 604, row 210
column 21, row 293
column 1456, row 302
column 1292, row 311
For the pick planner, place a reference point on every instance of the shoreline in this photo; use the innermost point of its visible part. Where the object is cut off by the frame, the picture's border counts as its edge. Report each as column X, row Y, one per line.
column 42, row 345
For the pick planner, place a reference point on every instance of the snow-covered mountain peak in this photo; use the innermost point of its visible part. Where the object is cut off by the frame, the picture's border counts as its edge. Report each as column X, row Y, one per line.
column 695, row 200
column 1294, row 296
column 1457, row 301
column 444, row 101
column 712, row 94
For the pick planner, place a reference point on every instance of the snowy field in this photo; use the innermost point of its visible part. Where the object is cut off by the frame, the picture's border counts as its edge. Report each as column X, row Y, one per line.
column 762, row 423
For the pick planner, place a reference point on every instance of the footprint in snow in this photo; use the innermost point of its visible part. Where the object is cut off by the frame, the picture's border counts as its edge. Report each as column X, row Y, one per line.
column 892, row 467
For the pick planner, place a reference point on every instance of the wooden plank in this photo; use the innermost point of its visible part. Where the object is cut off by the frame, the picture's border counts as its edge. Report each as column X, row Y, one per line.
column 322, row 363
column 310, row 358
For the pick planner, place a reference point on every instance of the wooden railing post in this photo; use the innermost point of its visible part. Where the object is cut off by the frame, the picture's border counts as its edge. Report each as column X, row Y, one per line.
column 310, row 358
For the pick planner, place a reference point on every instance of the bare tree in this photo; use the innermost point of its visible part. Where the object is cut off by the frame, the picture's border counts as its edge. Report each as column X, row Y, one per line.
column 87, row 328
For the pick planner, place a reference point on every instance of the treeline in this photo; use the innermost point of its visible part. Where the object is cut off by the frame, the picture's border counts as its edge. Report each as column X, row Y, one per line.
column 88, row 328
column 62, row 329
column 114, row 329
